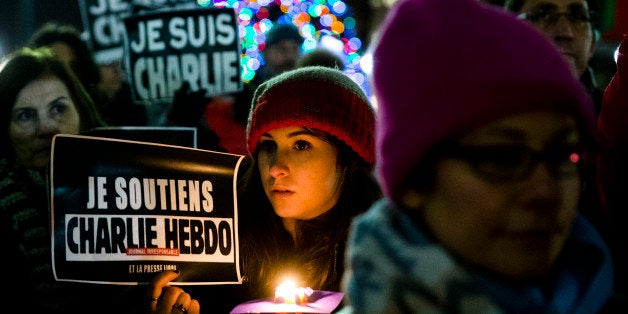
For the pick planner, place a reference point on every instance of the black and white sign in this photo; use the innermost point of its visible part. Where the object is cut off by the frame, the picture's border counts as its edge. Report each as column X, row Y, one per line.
column 123, row 211
column 165, row 48
column 102, row 19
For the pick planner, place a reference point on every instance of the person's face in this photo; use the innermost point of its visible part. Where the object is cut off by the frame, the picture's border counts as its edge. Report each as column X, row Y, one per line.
column 496, row 210
column 299, row 173
column 565, row 23
column 111, row 77
column 65, row 53
column 42, row 109
column 282, row 56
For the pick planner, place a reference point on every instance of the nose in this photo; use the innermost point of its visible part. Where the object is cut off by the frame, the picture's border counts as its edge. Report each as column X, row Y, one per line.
column 543, row 180
column 47, row 125
column 562, row 27
column 543, row 191
column 278, row 164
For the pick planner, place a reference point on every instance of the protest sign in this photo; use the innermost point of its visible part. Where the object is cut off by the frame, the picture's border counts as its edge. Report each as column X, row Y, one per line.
column 164, row 48
column 102, row 19
column 122, row 211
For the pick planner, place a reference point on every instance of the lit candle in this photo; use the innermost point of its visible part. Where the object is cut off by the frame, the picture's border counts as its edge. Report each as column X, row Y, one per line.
column 290, row 293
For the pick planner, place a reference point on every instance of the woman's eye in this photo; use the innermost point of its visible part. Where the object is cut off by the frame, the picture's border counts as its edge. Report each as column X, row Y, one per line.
column 302, row 145
column 59, row 107
column 25, row 115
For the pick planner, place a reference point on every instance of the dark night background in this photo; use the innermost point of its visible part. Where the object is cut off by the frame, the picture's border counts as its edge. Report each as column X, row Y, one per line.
column 20, row 18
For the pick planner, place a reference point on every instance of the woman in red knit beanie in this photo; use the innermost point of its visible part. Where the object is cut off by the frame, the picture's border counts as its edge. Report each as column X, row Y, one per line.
column 310, row 135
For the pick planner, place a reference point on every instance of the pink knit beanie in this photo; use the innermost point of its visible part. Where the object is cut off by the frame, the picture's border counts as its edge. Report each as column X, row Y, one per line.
column 315, row 97
column 444, row 66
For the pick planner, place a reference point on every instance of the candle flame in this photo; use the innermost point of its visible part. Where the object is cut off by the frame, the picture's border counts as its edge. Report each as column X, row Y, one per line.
column 291, row 294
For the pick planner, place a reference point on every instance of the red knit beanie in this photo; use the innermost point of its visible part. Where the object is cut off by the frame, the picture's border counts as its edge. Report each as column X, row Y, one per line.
column 315, row 97
column 444, row 66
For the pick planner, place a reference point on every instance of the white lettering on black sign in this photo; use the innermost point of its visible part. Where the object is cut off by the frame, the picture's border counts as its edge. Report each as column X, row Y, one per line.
column 103, row 20
column 198, row 46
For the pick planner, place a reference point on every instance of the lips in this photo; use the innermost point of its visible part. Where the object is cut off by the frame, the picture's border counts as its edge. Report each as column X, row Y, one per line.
column 281, row 191
column 566, row 51
column 569, row 55
column 282, row 194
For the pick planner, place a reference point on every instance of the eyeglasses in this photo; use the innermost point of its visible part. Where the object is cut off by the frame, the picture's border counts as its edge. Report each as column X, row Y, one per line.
column 513, row 163
column 577, row 16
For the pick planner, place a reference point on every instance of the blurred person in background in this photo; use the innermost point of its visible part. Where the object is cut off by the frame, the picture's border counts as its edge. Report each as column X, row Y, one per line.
column 104, row 83
column 282, row 50
column 322, row 57
column 570, row 25
column 227, row 115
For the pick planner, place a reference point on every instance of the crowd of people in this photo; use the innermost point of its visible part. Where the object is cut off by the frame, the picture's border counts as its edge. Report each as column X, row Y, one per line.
column 492, row 182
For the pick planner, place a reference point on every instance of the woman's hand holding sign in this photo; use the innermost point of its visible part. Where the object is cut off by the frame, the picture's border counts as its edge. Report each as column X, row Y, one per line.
column 164, row 298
